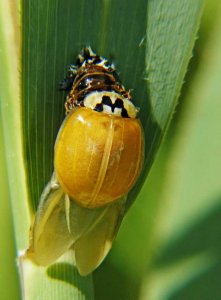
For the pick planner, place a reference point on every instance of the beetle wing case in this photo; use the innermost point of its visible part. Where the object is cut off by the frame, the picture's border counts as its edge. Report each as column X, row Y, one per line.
column 98, row 156
column 61, row 224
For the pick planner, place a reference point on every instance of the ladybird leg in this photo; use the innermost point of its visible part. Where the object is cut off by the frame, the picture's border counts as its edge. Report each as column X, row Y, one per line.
column 67, row 82
column 50, row 237
column 93, row 245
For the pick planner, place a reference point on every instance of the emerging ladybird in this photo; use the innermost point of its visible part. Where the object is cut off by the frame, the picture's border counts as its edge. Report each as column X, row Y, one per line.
column 98, row 157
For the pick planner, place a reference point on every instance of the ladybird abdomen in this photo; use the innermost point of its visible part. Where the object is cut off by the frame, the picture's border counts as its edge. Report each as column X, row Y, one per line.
column 98, row 162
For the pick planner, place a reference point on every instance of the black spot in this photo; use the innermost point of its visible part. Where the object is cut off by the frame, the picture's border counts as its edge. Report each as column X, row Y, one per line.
column 83, row 84
column 124, row 113
column 108, row 80
column 107, row 101
column 97, row 60
column 78, row 62
column 99, row 107
column 118, row 103
column 86, row 54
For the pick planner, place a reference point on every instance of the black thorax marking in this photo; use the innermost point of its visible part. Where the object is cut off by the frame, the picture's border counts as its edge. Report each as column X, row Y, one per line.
column 106, row 100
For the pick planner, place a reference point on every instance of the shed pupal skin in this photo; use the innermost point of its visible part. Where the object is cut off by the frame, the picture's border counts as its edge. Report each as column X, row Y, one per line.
column 95, row 84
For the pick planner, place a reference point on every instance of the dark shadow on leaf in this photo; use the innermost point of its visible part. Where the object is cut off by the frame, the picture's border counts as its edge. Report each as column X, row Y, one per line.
column 68, row 273
column 110, row 283
column 207, row 286
column 203, row 237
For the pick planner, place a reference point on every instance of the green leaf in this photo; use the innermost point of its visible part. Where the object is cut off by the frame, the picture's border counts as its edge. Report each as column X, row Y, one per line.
column 60, row 281
column 150, row 44
column 187, row 234
column 9, row 288
column 169, row 39
column 10, row 113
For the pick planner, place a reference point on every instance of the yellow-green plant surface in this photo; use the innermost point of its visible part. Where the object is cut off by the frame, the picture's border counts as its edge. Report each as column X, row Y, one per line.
column 150, row 43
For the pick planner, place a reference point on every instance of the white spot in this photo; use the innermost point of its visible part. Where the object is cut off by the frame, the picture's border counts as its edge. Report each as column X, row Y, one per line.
column 118, row 111
column 107, row 109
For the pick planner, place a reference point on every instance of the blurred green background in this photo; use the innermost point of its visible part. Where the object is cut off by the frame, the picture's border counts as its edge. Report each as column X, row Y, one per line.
column 169, row 245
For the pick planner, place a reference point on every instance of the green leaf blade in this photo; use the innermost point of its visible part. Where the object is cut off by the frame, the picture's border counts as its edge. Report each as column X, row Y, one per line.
column 171, row 32
column 138, row 37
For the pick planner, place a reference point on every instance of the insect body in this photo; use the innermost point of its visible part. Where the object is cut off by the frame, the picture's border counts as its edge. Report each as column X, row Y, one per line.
column 98, row 158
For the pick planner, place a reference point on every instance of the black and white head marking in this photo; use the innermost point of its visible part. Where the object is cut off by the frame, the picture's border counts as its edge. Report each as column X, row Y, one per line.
column 110, row 103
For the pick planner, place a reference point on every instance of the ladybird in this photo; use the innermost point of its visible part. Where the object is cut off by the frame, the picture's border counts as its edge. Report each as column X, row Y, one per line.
column 98, row 157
